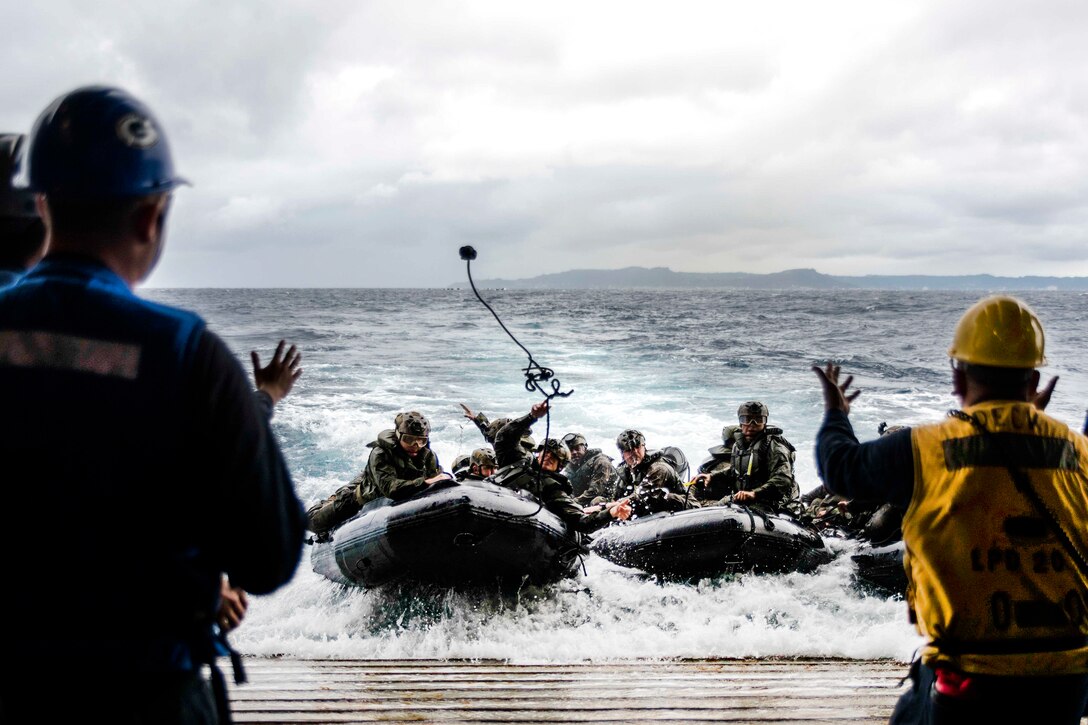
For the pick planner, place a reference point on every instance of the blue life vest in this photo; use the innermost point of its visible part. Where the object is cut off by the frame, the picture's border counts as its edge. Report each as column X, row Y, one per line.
column 9, row 277
column 108, row 541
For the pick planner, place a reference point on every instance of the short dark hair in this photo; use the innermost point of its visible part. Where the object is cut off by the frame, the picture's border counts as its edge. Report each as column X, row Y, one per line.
column 109, row 215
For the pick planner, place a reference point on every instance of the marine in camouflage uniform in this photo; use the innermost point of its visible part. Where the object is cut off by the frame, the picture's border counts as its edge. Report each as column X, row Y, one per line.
column 591, row 473
column 489, row 429
column 826, row 511
column 540, row 475
column 481, row 464
column 874, row 521
column 460, row 467
column 760, row 470
column 648, row 479
column 401, row 465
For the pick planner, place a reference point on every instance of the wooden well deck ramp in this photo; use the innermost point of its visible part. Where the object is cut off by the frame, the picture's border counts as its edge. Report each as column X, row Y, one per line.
column 685, row 691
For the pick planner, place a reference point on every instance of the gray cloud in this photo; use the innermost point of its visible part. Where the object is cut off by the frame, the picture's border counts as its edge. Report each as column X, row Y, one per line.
column 360, row 143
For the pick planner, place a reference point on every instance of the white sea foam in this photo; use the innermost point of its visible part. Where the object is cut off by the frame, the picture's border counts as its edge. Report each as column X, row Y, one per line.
column 607, row 614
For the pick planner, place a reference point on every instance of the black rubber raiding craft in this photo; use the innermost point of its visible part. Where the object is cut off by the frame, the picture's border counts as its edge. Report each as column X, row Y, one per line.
column 880, row 568
column 711, row 541
column 472, row 532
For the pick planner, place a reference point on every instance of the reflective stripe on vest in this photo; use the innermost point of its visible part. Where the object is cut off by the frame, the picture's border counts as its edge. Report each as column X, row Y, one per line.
column 42, row 349
column 990, row 584
column 751, row 472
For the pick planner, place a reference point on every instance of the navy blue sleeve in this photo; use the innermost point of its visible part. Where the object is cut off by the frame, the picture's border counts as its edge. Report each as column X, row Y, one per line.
column 879, row 470
column 264, row 402
column 259, row 521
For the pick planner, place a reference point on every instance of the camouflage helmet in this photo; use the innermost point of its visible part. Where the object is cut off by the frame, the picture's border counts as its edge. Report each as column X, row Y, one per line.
column 572, row 440
column 753, row 408
column 495, row 426
column 557, row 449
column 461, row 463
column 483, row 457
column 413, row 424
column 629, row 440
column 884, row 429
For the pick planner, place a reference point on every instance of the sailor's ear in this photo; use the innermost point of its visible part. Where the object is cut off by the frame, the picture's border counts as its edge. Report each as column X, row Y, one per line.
column 149, row 218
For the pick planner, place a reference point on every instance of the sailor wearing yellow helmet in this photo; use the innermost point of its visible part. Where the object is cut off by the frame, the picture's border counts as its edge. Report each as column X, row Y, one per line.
column 996, row 500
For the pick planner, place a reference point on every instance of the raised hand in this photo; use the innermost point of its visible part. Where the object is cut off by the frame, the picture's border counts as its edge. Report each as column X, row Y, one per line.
column 279, row 376
column 835, row 395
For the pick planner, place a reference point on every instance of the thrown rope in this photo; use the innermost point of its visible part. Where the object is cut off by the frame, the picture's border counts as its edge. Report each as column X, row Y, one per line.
column 535, row 373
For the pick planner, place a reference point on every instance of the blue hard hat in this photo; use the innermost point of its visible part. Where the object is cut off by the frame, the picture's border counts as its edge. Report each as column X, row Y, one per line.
column 97, row 142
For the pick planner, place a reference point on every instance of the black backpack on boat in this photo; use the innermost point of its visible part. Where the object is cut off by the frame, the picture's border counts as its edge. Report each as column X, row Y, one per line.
column 676, row 458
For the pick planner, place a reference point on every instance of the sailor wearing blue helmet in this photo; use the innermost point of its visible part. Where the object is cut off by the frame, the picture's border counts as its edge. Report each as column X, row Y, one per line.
column 136, row 426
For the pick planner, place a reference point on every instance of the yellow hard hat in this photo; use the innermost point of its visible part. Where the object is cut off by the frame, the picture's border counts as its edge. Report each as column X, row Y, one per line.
column 1001, row 332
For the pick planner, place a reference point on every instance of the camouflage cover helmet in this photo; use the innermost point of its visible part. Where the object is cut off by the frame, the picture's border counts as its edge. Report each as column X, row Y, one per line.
column 572, row 440
column 413, row 424
column 884, row 429
column 556, row 448
column 527, row 443
column 495, row 426
column 630, row 439
column 484, row 458
column 752, row 409
column 461, row 463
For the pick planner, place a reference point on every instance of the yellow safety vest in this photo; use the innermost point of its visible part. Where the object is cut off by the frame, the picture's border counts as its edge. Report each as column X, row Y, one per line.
column 990, row 584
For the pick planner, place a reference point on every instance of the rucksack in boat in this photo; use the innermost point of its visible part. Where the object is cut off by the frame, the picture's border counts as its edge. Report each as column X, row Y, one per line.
column 676, row 458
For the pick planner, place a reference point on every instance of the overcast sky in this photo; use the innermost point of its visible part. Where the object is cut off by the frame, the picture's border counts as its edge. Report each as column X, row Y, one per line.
column 359, row 144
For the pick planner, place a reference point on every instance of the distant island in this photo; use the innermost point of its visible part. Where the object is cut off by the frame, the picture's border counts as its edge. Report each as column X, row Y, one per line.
column 663, row 277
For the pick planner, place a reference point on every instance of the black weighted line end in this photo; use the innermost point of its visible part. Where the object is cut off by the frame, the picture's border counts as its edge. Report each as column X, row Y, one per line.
column 534, row 372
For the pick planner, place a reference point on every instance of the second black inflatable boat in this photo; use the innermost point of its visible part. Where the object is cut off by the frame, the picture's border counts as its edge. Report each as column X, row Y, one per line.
column 880, row 568
column 711, row 541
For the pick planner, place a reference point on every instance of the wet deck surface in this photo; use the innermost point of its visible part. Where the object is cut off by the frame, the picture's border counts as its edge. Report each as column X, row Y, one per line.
column 690, row 691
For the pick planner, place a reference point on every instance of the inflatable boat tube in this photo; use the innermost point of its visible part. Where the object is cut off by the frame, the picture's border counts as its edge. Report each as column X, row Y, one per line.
column 711, row 541
column 472, row 532
column 880, row 568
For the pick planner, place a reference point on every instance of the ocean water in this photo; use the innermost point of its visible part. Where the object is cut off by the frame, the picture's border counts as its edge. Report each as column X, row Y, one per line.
column 675, row 365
